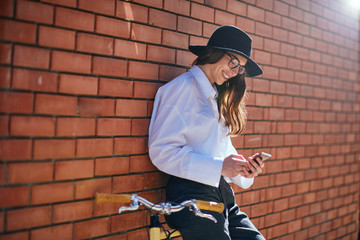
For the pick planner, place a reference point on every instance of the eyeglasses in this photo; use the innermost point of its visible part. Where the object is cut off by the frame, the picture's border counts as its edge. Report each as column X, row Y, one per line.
column 235, row 63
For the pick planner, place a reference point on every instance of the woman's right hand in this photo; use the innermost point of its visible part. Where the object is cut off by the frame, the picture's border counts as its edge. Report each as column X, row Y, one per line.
column 234, row 165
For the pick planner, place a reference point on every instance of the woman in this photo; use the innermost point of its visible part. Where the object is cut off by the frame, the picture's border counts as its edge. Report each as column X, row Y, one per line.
column 189, row 136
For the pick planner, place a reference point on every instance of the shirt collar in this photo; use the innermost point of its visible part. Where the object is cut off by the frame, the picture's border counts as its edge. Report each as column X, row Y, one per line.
column 204, row 83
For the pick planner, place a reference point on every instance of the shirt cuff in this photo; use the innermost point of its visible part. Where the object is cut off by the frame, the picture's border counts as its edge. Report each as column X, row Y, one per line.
column 241, row 181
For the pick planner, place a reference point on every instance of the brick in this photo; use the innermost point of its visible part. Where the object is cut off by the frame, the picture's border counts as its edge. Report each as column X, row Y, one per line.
column 76, row 169
column 115, row 87
column 4, row 125
column 35, row 12
column 19, row 219
column 145, row 89
column 75, row 127
column 69, row 3
column 246, row 24
column 106, row 7
column 9, row 149
column 94, row 44
column 74, row 84
column 272, row 46
column 34, row 80
column 31, row 57
column 54, row 148
column 72, row 211
column 155, row 180
column 253, row 141
column 175, row 39
column 60, row 232
column 125, row 107
column 142, row 70
column 259, row 209
column 109, row 66
column 7, row 8
column 55, row 104
column 74, row 19
column 56, row 37
column 262, row 57
column 130, row 145
column 129, row 49
column 111, row 166
column 88, row 188
column 141, row 164
column 92, row 107
column 295, row 38
column 263, row 29
column 15, row 196
column 6, row 51
column 128, row 183
column 167, row 73
column 256, row 13
column 161, row 54
column 93, row 147
column 223, row 18
column 132, row 12
column 190, row 26
column 145, row 34
column 31, row 126
column 16, row 102
column 263, row 100
column 113, row 27
column 5, row 75
column 17, row 31
column 216, row 4
column 70, row 62
column 91, row 228
column 281, row 8
column 16, row 236
column 237, row 7
column 128, row 221
column 153, row 3
column 113, row 127
column 162, row 19
column 140, row 126
column 181, row 7
column 51, row 193
column 184, row 58
column 30, row 172
column 202, row 12
column 137, row 234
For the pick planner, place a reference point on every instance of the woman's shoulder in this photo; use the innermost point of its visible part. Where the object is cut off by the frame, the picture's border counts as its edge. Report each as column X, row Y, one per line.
column 179, row 85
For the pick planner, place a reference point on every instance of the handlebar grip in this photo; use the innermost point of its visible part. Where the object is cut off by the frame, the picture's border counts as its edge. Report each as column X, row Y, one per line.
column 211, row 206
column 115, row 198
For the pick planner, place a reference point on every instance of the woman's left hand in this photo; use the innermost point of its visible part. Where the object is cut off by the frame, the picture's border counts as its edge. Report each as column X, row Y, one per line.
column 255, row 165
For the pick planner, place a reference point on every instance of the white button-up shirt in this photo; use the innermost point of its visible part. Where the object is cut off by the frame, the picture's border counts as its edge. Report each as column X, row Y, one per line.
column 186, row 138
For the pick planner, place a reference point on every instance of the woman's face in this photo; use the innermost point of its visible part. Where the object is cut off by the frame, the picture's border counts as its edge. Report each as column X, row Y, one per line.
column 220, row 72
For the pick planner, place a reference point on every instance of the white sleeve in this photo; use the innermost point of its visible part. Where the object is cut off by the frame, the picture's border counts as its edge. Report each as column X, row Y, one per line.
column 169, row 151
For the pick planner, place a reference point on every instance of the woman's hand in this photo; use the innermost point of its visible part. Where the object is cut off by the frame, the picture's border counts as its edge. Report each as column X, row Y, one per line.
column 236, row 164
column 255, row 164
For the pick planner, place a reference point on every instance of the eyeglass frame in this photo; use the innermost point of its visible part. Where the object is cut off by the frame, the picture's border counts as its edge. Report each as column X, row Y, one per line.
column 238, row 65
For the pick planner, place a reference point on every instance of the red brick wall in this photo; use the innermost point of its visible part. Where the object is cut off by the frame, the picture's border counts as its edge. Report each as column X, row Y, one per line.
column 78, row 78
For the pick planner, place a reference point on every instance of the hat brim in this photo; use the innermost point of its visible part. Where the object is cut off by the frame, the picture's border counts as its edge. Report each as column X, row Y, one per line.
column 252, row 68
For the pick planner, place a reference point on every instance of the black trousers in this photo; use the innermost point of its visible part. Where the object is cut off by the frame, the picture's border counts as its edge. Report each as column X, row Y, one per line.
column 231, row 224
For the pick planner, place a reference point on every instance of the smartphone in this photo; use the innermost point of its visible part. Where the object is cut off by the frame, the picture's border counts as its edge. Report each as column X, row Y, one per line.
column 264, row 156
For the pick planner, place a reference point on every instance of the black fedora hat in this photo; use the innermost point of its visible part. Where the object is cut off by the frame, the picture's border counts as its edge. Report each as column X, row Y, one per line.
column 233, row 39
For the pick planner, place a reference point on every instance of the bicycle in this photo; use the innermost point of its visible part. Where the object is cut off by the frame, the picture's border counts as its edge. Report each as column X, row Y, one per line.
column 162, row 208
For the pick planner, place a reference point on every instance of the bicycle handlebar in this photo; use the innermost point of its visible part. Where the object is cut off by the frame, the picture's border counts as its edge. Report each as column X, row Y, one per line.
column 164, row 207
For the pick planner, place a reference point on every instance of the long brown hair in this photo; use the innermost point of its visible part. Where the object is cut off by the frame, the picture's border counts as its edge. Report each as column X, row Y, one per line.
column 231, row 94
